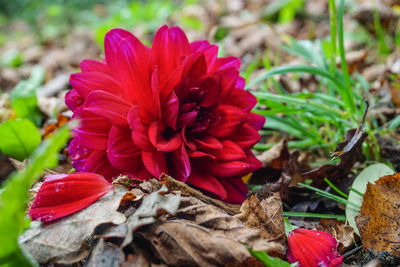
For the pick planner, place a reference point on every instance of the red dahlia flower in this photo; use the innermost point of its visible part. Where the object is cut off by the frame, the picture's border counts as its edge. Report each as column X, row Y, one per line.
column 174, row 108
column 313, row 248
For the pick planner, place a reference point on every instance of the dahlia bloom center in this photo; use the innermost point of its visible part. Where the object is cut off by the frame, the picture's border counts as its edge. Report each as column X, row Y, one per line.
column 174, row 108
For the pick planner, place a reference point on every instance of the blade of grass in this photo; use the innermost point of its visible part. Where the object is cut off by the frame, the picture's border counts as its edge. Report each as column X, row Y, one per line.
column 314, row 215
column 349, row 101
column 337, row 190
column 329, row 195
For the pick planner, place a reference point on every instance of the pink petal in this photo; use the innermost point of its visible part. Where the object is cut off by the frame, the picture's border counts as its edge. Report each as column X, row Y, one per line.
column 155, row 163
column 198, row 46
column 132, row 67
column 78, row 153
column 227, row 62
column 98, row 162
column 170, row 110
column 207, row 182
column 112, row 41
column 86, row 82
column 236, row 189
column 93, row 130
column 121, row 152
column 109, row 106
column 160, row 141
column 140, row 131
column 181, row 164
column 63, row 194
column 231, row 118
column 73, row 99
column 88, row 65
column 169, row 45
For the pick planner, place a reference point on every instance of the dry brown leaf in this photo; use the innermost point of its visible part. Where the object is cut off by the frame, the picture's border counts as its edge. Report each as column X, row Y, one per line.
column 379, row 217
column 105, row 254
column 349, row 152
column 150, row 207
column 184, row 189
column 339, row 230
column 265, row 215
column 68, row 240
column 202, row 235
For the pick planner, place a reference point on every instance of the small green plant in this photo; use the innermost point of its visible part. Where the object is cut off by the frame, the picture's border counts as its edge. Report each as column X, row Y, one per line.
column 14, row 194
column 316, row 120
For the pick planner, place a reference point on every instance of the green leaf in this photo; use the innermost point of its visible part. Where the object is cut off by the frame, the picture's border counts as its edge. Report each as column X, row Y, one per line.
column 11, row 59
column 288, row 226
column 24, row 99
column 268, row 260
column 15, row 194
column 19, row 138
column 369, row 175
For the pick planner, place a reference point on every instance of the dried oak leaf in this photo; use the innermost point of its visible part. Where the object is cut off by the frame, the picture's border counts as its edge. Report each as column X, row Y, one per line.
column 379, row 217
column 152, row 205
column 339, row 230
column 265, row 215
column 105, row 254
column 68, row 240
column 349, row 151
column 202, row 235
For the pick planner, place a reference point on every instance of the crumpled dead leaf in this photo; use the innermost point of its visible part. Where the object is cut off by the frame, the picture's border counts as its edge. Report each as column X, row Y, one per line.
column 68, row 240
column 349, row 151
column 202, row 235
column 151, row 206
column 265, row 215
column 339, row 230
column 379, row 217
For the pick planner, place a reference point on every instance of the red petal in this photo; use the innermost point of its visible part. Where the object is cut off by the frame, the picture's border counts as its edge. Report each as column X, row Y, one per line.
column 312, row 248
column 112, row 41
column 230, row 151
column 73, row 100
column 241, row 99
column 63, row 194
column 208, row 183
column 169, row 45
column 236, row 189
column 181, row 164
column 208, row 143
column 161, row 143
column 133, row 71
column 227, row 62
column 256, row 121
column 86, row 82
column 88, row 65
column 246, row 136
column 140, row 131
column 170, row 110
column 121, row 152
column 231, row 118
column 78, row 153
column 198, row 46
column 225, row 169
column 109, row 106
column 93, row 130
column 155, row 163
column 98, row 162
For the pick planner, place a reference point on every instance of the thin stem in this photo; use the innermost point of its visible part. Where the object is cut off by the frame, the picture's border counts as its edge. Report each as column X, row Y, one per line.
column 333, row 21
column 343, row 63
column 356, row 191
column 314, row 215
column 337, row 190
